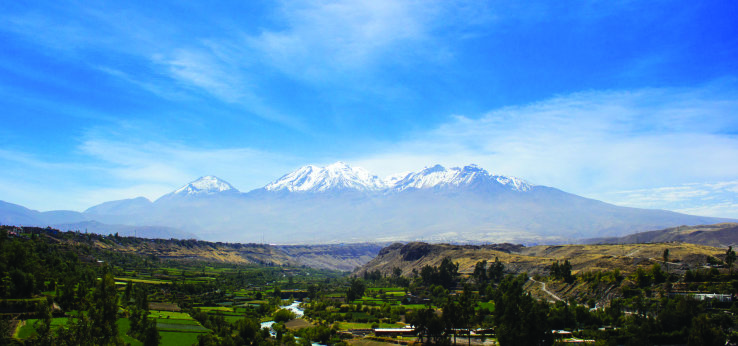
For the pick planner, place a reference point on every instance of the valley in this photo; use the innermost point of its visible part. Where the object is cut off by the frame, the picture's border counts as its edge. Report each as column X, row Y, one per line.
column 175, row 292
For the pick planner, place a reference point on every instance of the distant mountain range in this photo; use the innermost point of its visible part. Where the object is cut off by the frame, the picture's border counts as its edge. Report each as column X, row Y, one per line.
column 340, row 203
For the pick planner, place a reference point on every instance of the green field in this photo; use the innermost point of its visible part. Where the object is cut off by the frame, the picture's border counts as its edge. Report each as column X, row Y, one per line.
column 356, row 325
column 169, row 314
column 176, row 327
column 178, row 338
column 216, row 308
column 28, row 329
column 175, row 321
column 124, row 325
column 143, row 281
column 489, row 305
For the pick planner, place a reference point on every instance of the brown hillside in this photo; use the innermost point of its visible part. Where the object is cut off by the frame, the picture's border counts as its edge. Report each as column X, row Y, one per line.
column 537, row 259
column 717, row 235
column 344, row 257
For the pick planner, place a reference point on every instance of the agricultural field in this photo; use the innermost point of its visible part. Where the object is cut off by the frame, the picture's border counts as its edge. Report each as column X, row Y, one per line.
column 172, row 302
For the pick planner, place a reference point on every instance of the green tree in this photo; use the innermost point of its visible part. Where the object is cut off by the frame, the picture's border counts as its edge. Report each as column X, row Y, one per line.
column 496, row 270
column 43, row 325
column 730, row 259
column 665, row 257
column 151, row 335
column 429, row 325
column 103, row 311
column 705, row 333
column 283, row 315
column 453, row 317
column 480, row 273
column 356, row 290
column 520, row 319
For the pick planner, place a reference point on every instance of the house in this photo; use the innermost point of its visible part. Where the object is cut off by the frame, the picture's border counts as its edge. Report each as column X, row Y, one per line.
column 394, row 332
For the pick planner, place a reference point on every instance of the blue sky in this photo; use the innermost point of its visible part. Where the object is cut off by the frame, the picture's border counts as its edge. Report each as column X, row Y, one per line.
column 634, row 103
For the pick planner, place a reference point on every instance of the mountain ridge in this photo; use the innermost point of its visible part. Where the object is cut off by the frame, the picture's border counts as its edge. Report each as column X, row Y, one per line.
column 339, row 203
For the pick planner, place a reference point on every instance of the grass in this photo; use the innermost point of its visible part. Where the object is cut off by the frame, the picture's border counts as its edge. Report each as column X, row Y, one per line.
column 124, row 325
column 178, row 338
column 170, row 314
column 180, row 327
column 216, row 308
column 29, row 330
column 489, row 305
column 416, row 306
column 174, row 321
column 144, row 281
column 356, row 325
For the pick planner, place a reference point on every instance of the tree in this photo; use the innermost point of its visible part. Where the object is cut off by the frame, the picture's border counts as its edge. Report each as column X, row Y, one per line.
column 448, row 272
column 562, row 271
column 142, row 328
column 480, row 273
column 496, row 270
column 356, row 290
column 128, row 292
column 704, row 333
column 453, row 317
column 666, row 259
column 43, row 325
column 104, row 311
column 283, row 315
column 730, row 258
column 151, row 335
column 520, row 319
column 428, row 325
column 5, row 338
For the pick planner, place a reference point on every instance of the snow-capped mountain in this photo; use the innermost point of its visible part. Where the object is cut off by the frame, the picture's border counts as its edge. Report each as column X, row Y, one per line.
column 335, row 177
column 341, row 177
column 203, row 186
column 437, row 177
column 438, row 204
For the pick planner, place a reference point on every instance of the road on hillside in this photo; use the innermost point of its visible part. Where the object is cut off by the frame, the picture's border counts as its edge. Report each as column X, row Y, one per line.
column 543, row 286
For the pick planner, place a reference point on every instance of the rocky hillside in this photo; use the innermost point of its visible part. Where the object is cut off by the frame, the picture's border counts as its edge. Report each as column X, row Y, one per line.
column 344, row 257
column 538, row 259
column 718, row 235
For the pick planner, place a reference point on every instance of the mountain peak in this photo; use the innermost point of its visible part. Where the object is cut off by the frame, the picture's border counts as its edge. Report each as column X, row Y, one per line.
column 206, row 185
column 438, row 176
column 336, row 176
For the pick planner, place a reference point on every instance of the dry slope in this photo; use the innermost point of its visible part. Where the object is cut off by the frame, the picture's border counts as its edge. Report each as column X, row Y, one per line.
column 537, row 259
column 718, row 235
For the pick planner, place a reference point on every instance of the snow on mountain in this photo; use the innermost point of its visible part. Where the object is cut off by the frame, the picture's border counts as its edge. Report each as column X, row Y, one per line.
column 439, row 177
column 340, row 176
column 513, row 183
column 207, row 185
column 336, row 176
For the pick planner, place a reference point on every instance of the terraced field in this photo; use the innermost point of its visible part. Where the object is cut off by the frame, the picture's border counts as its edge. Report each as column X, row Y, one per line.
column 177, row 328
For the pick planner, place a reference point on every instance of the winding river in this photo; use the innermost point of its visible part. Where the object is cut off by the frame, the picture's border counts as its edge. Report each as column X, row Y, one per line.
column 294, row 307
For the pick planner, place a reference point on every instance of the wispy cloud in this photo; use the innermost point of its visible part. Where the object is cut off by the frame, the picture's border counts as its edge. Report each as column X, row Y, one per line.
column 118, row 169
column 173, row 164
column 709, row 199
column 158, row 60
column 590, row 142
column 327, row 36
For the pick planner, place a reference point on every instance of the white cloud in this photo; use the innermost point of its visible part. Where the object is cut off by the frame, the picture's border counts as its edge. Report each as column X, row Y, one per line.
column 329, row 36
column 118, row 169
column 590, row 142
column 709, row 199
column 173, row 164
